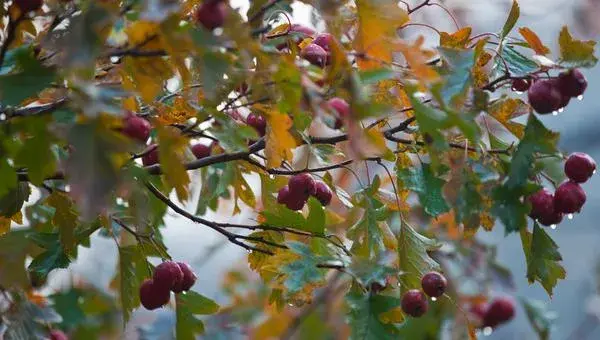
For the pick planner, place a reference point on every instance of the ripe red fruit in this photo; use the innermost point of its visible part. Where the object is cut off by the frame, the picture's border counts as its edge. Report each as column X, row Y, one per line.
column 259, row 123
column 136, row 127
column 151, row 157
column 414, row 303
column 153, row 296
column 569, row 198
column 323, row 40
column 340, row 106
column 295, row 201
column 500, row 310
column 323, row 193
column 479, row 310
column 315, row 55
column 579, row 167
column 211, row 14
column 28, row 5
column 572, row 83
column 551, row 219
column 542, row 204
column 303, row 184
column 544, row 97
column 57, row 334
column 434, row 284
column 283, row 195
column 521, row 84
column 564, row 98
column 167, row 275
column 189, row 278
column 201, row 151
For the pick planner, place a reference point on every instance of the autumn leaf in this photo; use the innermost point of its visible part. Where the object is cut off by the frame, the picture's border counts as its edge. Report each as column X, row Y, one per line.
column 534, row 41
column 279, row 141
column 171, row 151
column 504, row 110
column 458, row 39
column 576, row 53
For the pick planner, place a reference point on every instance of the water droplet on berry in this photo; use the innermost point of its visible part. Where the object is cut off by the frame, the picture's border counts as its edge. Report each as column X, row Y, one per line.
column 433, row 298
column 553, row 226
column 487, row 331
column 570, row 216
column 114, row 59
column 580, row 97
column 555, row 113
column 594, row 172
column 561, row 110
column 67, row 188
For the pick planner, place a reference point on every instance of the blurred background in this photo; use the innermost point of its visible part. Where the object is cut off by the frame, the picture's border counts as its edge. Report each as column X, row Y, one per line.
column 576, row 299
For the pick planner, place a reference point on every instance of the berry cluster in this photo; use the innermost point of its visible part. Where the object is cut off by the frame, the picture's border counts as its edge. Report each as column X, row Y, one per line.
column 259, row 123
column 341, row 108
column 168, row 276
column 499, row 311
column 299, row 188
column 318, row 52
column 569, row 198
column 211, row 14
column 552, row 95
column 414, row 302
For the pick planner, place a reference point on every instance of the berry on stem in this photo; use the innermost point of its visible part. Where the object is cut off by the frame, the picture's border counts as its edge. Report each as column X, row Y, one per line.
column 579, row 167
column 542, row 204
column 259, row 123
column 521, row 84
column 153, row 296
column 544, row 97
column 434, row 284
column 323, row 193
column 136, row 127
column 315, row 55
column 211, row 14
column 201, row 151
column 189, row 278
column 303, row 183
column 414, row 303
column 569, row 198
column 167, row 275
column 572, row 83
column 151, row 157
column 500, row 310
column 323, row 40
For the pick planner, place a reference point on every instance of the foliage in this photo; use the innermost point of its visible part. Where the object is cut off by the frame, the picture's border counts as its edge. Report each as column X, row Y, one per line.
column 446, row 151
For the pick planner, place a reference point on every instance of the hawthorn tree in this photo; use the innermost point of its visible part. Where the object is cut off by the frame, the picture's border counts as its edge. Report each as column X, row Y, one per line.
column 371, row 162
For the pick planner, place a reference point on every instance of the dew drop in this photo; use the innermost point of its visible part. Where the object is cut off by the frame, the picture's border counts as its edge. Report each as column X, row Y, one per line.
column 594, row 172
column 553, row 226
column 561, row 110
column 2, row 116
column 433, row 298
column 518, row 92
column 570, row 216
column 580, row 97
column 555, row 113
column 487, row 331
column 290, row 304
column 120, row 201
column 67, row 188
column 114, row 60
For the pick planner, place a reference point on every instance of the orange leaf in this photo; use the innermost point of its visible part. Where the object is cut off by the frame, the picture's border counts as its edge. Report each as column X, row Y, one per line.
column 417, row 59
column 458, row 39
column 534, row 41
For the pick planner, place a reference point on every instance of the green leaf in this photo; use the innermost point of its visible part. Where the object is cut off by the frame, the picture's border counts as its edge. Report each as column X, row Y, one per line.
column 364, row 316
column 429, row 188
column 133, row 270
column 12, row 202
column 376, row 75
column 513, row 16
column 576, row 53
column 13, row 251
column 469, row 203
column 542, row 256
column 190, row 304
column 315, row 221
column 65, row 219
column 8, row 175
column 214, row 66
column 288, row 77
column 31, row 78
column 413, row 257
column 366, row 233
column 518, row 64
column 509, row 208
column 68, row 305
column 540, row 317
column 459, row 78
column 366, row 271
column 52, row 258
column 36, row 154
column 304, row 270
column 279, row 215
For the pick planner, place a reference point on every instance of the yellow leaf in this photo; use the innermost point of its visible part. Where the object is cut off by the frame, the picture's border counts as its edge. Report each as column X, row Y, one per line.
column 171, row 153
column 458, row 39
column 242, row 190
column 480, row 74
column 273, row 327
column 179, row 112
column 534, row 41
column 17, row 218
column 505, row 110
column 378, row 22
column 392, row 316
column 305, row 42
column 279, row 140
column 576, row 52
column 389, row 239
column 417, row 57
column 4, row 225
column 277, row 31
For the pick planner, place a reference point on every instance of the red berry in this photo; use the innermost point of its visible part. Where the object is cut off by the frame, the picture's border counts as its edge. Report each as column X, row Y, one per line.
column 315, row 55
column 150, row 157
column 520, row 84
column 564, row 98
column 201, row 151
column 339, row 123
column 57, row 334
column 167, row 275
column 259, row 123
column 340, row 106
column 569, row 198
column 283, row 195
column 579, row 167
column 479, row 310
column 323, row 40
column 434, row 284
column 153, row 296
column 553, row 218
column 189, row 278
column 572, row 83
column 211, row 14
column 542, row 204
column 242, row 88
column 295, row 202
column 414, row 303
column 28, row 5
column 501, row 310
column 137, row 128
column 544, row 97
column 323, row 193
column 303, row 184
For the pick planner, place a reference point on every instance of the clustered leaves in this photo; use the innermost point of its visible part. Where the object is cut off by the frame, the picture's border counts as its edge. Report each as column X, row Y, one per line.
column 362, row 164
